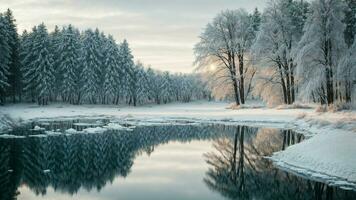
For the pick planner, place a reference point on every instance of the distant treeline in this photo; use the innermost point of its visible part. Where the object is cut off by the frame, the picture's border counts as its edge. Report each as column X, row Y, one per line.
column 82, row 67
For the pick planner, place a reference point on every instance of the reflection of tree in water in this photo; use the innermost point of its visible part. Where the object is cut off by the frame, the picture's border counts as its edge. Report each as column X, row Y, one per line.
column 227, row 174
column 9, row 161
column 70, row 162
column 90, row 161
column 239, row 171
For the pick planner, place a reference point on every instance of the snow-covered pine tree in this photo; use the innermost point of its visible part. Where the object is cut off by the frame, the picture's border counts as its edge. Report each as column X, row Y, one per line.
column 55, row 41
column 68, row 63
column 350, row 22
column 298, row 12
column 91, row 55
column 142, row 89
column 15, row 76
column 102, row 41
column 27, row 57
column 5, row 57
column 133, row 85
column 127, row 64
column 139, row 88
column 347, row 67
column 186, row 88
column 166, row 87
column 320, row 50
column 43, row 65
column 346, row 73
column 37, row 64
column 113, row 71
column 256, row 21
column 120, row 90
column 152, row 83
column 176, row 87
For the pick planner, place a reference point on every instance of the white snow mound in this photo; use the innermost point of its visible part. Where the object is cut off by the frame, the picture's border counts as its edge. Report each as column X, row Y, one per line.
column 116, row 126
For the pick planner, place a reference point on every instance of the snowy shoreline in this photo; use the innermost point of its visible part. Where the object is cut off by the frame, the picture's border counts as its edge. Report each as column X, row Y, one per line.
column 328, row 154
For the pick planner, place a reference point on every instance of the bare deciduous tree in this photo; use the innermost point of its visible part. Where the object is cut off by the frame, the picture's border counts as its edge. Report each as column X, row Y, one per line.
column 224, row 44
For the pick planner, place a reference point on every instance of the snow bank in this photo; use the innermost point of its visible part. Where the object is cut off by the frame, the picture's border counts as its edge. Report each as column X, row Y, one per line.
column 329, row 155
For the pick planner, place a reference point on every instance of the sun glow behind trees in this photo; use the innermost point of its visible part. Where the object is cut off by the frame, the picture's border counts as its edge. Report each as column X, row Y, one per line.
column 300, row 50
column 294, row 51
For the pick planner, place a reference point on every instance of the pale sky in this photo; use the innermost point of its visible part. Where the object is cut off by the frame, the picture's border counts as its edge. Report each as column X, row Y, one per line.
column 161, row 33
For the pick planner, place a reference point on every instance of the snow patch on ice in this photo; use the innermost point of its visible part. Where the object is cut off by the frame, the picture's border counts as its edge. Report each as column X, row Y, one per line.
column 37, row 128
column 7, row 136
column 39, row 135
column 71, row 131
column 95, row 130
column 116, row 126
column 53, row 133
column 87, row 124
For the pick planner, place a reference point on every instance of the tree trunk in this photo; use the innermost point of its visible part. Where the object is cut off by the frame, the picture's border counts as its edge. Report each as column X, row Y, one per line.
column 236, row 93
column 242, row 79
column 348, row 91
column 241, row 160
column 292, row 85
column 134, row 100
column 288, row 89
column 329, row 86
column 234, row 154
column 329, row 75
column 284, row 90
column 322, row 96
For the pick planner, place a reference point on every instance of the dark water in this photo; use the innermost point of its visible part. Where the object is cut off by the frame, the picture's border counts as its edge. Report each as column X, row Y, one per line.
column 152, row 163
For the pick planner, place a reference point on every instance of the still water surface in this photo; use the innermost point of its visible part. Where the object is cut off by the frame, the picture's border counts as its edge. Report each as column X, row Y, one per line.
column 152, row 163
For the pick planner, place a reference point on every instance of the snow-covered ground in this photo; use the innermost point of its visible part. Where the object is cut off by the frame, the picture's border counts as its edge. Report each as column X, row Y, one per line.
column 329, row 153
column 196, row 110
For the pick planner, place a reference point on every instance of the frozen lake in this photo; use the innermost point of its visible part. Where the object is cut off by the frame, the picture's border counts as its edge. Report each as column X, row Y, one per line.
column 186, row 161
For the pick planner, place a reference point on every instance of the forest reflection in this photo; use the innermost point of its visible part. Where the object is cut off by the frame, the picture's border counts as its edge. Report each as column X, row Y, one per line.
column 237, row 169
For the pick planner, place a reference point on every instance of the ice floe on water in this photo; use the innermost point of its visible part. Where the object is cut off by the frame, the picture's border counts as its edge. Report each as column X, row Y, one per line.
column 71, row 130
column 95, row 130
column 39, row 135
column 37, row 128
column 100, row 129
column 8, row 136
column 88, row 124
column 117, row 126
column 53, row 133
